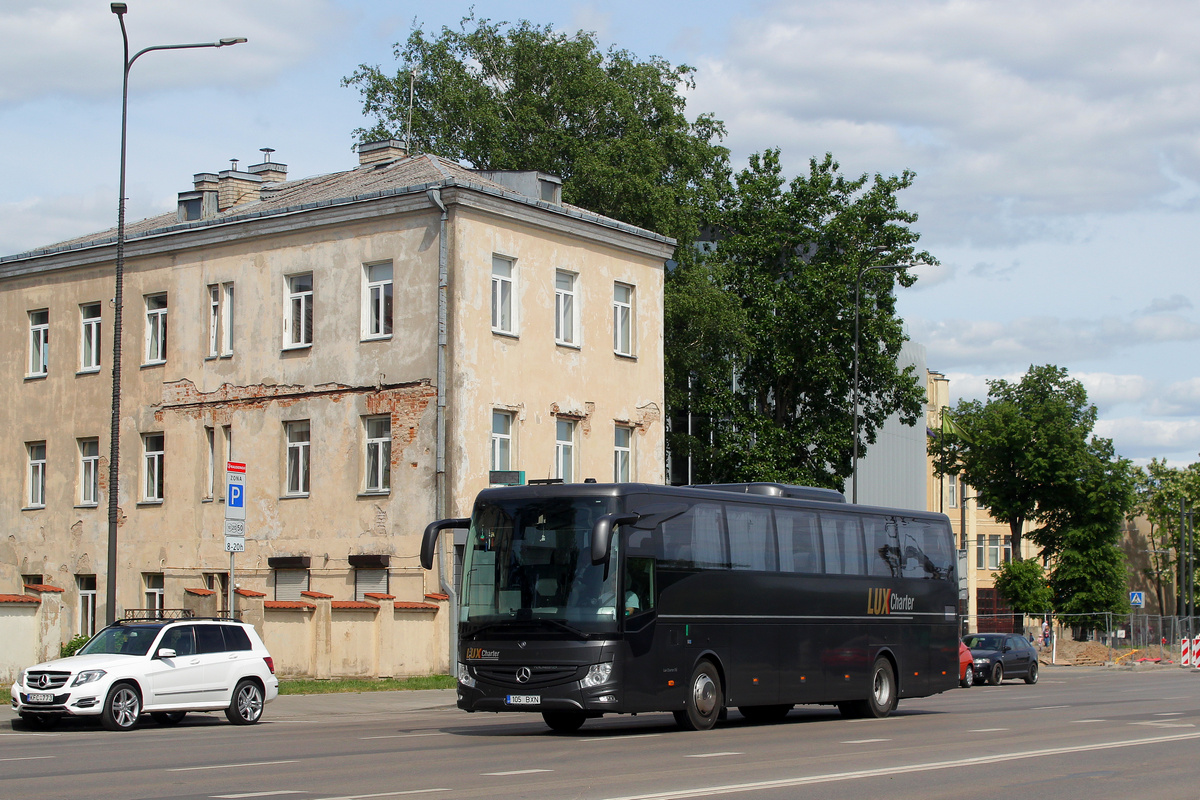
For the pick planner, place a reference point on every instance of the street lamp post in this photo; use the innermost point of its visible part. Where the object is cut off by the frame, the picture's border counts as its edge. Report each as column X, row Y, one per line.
column 114, row 440
column 857, row 292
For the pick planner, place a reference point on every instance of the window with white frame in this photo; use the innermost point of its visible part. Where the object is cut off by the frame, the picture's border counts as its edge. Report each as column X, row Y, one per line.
column 156, row 328
column 298, row 319
column 564, row 450
column 210, row 474
column 502, row 437
column 155, row 592
column 379, row 454
column 564, row 307
column 39, row 342
column 220, row 319
column 153, row 455
column 622, row 454
column 623, row 319
column 952, row 491
column 377, row 298
column 504, row 313
column 89, row 472
column 36, row 474
column 86, row 585
column 227, row 451
column 297, row 457
column 89, row 337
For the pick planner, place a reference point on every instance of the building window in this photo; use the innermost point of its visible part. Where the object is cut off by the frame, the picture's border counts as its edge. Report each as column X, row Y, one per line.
column 298, row 322
column 220, row 319
column 156, row 328
column 993, row 561
column 297, row 457
column 504, row 317
column 39, row 342
column 155, row 594
column 564, row 307
column 89, row 472
column 623, row 319
column 86, row 584
column 227, row 441
column 218, row 582
column 379, row 454
column 374, row 581
column 377, row 316
column 952, row 491
column 622, row 454
column 210, row 474
column 37, row 474
column 289, row 583
column 564, row 451
column 502, row 425
column 89, row 337
column 980, row 552
column 153, row 456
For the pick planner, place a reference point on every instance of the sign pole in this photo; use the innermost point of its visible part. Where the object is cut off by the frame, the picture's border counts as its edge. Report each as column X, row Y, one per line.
column 235, row 518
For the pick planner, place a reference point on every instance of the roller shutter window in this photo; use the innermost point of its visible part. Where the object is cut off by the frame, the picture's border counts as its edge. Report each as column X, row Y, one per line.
column 289, row 583
column 370, row 580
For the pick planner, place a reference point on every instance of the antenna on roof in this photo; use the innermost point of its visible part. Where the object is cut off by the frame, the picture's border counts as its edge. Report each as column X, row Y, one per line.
column 266, row 151
column 233, row 164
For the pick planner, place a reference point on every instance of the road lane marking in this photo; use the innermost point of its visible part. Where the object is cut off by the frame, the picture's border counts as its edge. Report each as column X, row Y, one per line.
column 1077, row 721
column 713, row 755
column 382, row 794
column 232, row 766
column 258, row 794
column 25, row 758
column 1165, row 724
column 987, row 730
column 1169, row 714
column 866, row 741
column 1046, row 708
column 786, row 783
column 624, row 736
column 513, row 772
column 30, row 734
column 401, row 736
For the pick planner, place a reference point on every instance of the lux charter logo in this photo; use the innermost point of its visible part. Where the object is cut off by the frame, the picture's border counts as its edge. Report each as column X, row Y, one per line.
column 883, row 601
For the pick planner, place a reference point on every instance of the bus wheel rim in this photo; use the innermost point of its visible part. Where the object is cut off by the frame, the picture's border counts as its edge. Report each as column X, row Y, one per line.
column 883, row 690
column 704, row 694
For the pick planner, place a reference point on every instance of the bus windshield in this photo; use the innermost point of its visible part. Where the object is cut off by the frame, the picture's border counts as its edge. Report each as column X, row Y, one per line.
column 530, row 563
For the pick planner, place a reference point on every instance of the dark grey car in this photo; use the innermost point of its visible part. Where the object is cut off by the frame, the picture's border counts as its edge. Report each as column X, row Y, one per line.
column 997, row 656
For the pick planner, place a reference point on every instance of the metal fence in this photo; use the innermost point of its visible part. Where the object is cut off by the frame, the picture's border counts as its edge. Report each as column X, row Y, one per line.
column 1127, row 637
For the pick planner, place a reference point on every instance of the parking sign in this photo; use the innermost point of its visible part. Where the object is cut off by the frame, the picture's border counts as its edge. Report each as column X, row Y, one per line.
column 235, row 490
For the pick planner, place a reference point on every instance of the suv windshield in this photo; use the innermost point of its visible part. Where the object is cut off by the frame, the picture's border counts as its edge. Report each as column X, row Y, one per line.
column 529, row 562
column 131, row 640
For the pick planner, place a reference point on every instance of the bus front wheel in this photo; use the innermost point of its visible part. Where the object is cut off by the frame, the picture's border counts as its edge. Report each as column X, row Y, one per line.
column 705, row 699
column 564, row 721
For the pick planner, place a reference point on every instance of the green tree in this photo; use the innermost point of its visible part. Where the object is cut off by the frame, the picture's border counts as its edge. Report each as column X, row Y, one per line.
column 1023, row 584
column 760, row 331
column 1159, row 489
column 525, row 97
column 1022, row 450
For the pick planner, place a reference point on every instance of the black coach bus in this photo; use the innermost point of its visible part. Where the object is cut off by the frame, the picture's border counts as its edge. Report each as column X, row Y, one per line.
column 579, row 600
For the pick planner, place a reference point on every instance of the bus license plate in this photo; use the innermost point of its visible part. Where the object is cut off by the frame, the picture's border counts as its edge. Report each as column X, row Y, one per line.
column 40, row 698
column 524, row 699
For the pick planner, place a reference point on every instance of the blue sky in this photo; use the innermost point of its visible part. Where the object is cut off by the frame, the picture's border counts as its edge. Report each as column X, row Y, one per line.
column 1056, row 146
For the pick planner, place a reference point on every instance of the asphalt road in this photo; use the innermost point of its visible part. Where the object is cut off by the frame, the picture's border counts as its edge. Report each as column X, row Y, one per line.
column 1079, row 733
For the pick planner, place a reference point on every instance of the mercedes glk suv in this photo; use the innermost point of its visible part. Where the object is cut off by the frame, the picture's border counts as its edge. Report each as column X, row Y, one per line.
column 164, row 668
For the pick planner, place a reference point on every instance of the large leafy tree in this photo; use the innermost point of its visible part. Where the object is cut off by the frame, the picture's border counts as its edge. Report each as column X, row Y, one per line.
column 760, row 331
column 523, row 96
column 1023, row 450
column 1024, row 585
column 1159, row 490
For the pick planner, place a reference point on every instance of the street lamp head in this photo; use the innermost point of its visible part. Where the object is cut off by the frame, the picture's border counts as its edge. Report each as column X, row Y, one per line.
column 230, row 40
column 119, row 8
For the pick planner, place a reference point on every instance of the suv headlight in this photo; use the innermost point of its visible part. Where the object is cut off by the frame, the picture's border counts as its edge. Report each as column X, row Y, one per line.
column 464, row 676
column 21, row 677
column 87, row 676
column 597, row 674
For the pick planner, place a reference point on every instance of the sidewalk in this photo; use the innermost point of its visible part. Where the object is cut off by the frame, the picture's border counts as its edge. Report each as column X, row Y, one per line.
column 351, row 703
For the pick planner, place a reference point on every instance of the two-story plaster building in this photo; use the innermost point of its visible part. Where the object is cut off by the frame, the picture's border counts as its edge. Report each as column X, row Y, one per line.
column 371, row 344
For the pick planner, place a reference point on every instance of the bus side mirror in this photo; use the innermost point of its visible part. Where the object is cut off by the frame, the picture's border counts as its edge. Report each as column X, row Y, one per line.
column 429, row 541
column 602, row 534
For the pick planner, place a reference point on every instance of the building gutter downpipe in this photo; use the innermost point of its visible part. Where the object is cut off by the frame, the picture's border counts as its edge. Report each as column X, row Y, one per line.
column 445, row 564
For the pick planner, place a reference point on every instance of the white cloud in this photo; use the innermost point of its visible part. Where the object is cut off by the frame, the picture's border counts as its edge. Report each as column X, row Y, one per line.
column 1106, row 389
column 1133, row 437
column 1181, row 398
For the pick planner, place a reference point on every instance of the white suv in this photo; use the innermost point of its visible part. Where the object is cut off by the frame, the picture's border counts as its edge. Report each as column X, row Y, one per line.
column 164, row 668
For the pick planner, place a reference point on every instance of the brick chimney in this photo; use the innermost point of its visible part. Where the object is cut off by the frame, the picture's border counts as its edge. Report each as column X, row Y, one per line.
column 380, row 152
column 201, row 202
column 235, row 187
column 269, row 170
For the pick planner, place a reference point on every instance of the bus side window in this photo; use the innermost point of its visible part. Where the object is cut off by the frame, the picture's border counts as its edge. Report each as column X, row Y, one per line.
column 843, row 545
column 938, row 543
column 883, row 549
column 751, row 544
column 799, row 541
column 640, row 592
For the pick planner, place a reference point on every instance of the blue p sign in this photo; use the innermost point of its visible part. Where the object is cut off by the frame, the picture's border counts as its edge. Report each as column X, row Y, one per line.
column 235, row 497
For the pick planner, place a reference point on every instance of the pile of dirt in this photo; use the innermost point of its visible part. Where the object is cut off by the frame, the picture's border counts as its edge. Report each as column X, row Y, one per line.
column 1073, row 653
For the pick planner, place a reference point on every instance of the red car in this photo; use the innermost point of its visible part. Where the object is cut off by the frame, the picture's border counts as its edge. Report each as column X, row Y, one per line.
column 966, row 671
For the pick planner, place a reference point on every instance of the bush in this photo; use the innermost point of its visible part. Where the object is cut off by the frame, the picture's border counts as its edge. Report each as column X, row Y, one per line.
column 70, row 648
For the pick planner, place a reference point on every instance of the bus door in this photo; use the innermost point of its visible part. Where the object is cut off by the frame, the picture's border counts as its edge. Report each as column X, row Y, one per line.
column 641, row 668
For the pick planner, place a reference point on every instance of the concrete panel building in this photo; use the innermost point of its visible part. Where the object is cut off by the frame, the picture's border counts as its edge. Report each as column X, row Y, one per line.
column 372, row 344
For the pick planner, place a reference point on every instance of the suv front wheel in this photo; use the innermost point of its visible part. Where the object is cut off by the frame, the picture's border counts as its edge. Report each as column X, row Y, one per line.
column 122, row 708
column 247, row 704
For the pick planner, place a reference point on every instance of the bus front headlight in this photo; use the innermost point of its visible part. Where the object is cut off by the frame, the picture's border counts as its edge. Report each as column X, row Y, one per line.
column 597, row 674
column 464, row 676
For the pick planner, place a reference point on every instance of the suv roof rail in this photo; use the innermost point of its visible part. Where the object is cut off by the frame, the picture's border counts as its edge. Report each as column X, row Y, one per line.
column 144, row 614
column 173, row 617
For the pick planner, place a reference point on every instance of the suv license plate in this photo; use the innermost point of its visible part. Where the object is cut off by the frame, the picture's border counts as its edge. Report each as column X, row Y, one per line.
column 524, row 699
column 40, row 697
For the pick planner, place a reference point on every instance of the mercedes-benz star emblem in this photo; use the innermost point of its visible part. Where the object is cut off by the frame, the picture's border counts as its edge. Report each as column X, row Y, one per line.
column 523, row 674
column 43, row 681
column 521, row 645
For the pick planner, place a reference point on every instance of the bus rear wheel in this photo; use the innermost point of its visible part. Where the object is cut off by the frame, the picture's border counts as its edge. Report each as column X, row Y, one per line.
column 564, row 721
column 764, row 713
column 705, row 699
column 882, row 697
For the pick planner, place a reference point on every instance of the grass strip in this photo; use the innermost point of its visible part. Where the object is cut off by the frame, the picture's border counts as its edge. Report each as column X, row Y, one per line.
column 340, row 685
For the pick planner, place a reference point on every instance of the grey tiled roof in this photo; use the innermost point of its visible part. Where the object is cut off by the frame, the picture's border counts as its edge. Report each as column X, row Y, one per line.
column 404, row 175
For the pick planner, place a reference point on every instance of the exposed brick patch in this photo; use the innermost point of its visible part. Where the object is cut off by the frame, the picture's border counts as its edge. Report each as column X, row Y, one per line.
column 353, row 604
column 295, row 605
column 249, row 593
column 379, row 596
column 408, row 606
column 19, row 598
column 317, row 595
column 437, row 596
column 42, row 587
column 199, row 591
